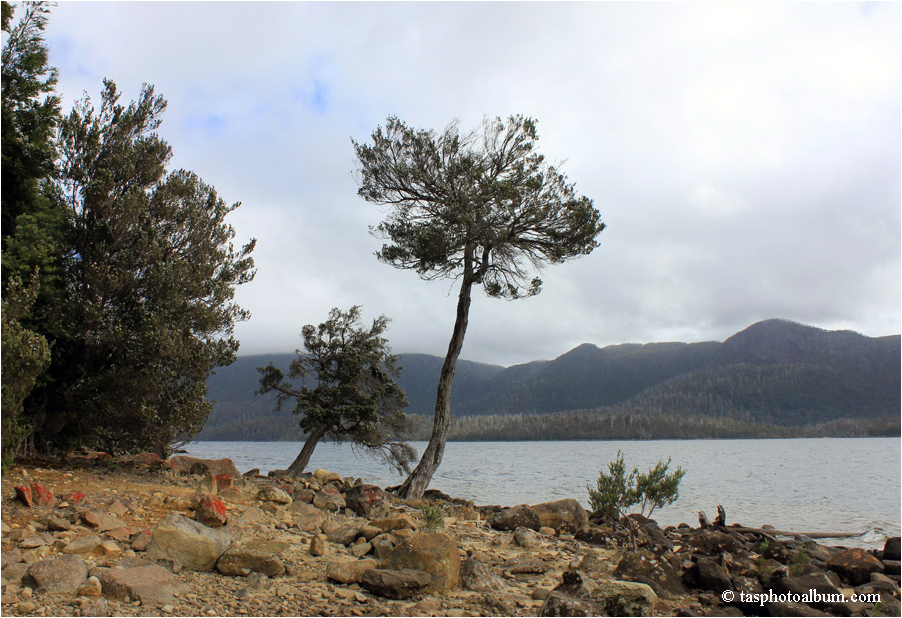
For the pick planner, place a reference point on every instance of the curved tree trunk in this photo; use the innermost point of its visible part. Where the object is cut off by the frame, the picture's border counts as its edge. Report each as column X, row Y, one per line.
column 300, row 462
column 419, row 479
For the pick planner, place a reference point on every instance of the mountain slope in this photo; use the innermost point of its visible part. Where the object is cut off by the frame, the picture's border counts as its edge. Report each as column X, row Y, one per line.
column 773, row 372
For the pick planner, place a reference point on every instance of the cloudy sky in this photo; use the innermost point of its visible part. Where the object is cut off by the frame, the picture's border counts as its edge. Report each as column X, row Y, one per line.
column 745, row 156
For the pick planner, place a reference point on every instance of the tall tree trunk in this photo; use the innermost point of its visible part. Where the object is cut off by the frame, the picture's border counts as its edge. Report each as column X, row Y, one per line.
column 303, row 458
column 419, row 479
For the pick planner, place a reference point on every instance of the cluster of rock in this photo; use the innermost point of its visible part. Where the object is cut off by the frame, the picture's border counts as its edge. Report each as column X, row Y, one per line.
column 348, row 548
column 732, row 571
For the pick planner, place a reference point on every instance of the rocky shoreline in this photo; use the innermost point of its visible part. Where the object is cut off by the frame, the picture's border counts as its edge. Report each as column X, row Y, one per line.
column 186, row 537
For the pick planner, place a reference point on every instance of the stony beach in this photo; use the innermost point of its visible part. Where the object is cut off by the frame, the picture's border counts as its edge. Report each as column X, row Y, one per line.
column 96, row 536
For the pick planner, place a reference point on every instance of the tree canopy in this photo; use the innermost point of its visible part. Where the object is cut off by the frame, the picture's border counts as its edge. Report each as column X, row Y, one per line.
column 347, row 389
column 131, row 269
column 482, row 207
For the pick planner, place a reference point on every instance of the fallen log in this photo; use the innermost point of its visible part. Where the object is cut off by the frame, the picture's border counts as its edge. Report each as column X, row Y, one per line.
column 810, row 535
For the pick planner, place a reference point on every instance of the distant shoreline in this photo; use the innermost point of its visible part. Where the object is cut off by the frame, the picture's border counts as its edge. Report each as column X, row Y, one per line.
column 299, row 437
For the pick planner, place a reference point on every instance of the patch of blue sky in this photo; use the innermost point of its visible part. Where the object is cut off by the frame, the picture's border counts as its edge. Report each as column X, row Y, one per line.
column 211, row 124
column 65, row 58
column 315, row 97
column 318, row 98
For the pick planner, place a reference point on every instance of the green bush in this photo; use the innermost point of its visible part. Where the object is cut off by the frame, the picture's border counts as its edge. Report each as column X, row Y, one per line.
column 615, row 492
column 433, row 516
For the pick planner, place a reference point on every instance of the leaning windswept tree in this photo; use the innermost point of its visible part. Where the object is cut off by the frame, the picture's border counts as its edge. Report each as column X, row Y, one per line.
column 347, row 389
column 482, row 207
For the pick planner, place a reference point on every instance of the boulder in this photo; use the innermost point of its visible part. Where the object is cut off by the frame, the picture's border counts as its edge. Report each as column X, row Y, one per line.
column 63, row 573
column 594, row 535
column 141, row 540
column 141, row 460
column 708, row 575
column 360, row 549
column 270, row 493
column 317, row 545
column 646, row 568
column 149, row 583
column 856, row 565
column 578, row 596
column 210, row 511
column 242, row 561
column 524, row 564
column 74, row 498
column 329, row 500
column 23, row 493
column 433, row 552
column 369, row 532
column 84, row 545
column 526, row 538
column 41, row 495
column 516, row 517
column 368, row 501
column 91, row 588
column 344, row 535
column 395, row 584
column 892, row 549
column 14, row 573
column 391, row 524
column 123, row 533
column 619, row 598
column 188, row 543
column 714, row 542
column 563, row 604
column 479, row 577
column 102, row 521
column 36, row 494
column 564, row 516
column 349, row 571
column 182, row 464
column 595, row 566
column 805, row 584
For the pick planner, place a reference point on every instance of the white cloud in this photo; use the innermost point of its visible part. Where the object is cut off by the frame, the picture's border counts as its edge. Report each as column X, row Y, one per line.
column 746, row 156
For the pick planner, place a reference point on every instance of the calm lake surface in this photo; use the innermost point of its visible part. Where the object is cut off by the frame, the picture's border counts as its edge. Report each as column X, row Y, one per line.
column 803, row 485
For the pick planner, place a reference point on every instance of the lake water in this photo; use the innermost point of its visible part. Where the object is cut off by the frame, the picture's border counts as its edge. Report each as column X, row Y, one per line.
column 804, row 485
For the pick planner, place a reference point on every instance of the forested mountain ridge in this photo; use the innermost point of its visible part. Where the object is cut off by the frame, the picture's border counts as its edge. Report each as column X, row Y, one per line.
column 774, row 372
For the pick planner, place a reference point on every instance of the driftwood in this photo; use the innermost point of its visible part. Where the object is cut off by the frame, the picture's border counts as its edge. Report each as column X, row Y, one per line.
column 721, row 519
column 810, row 535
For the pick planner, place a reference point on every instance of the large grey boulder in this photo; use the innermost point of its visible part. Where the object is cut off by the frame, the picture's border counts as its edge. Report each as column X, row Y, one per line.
column 516, row 517
column 368, row 501
column 564, row 516
column 646, row 568
column 856, row 565
column 242, row 561
column 349, row 571
column 63, row 573
column 188, row 543
column 433, row 552
column 149, row 583
column 624, row 598
column 577, row 595
column 395, row 584
column 479, row 577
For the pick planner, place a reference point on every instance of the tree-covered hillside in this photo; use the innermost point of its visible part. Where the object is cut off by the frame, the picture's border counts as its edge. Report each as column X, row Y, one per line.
column 774, row 374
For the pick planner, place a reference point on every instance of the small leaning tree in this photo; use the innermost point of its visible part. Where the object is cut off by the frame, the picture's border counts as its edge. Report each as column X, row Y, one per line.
column 481, row 207
column 347, row 389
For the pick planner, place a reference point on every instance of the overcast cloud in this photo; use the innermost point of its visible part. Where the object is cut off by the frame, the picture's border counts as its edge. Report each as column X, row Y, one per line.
column 745, row 156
